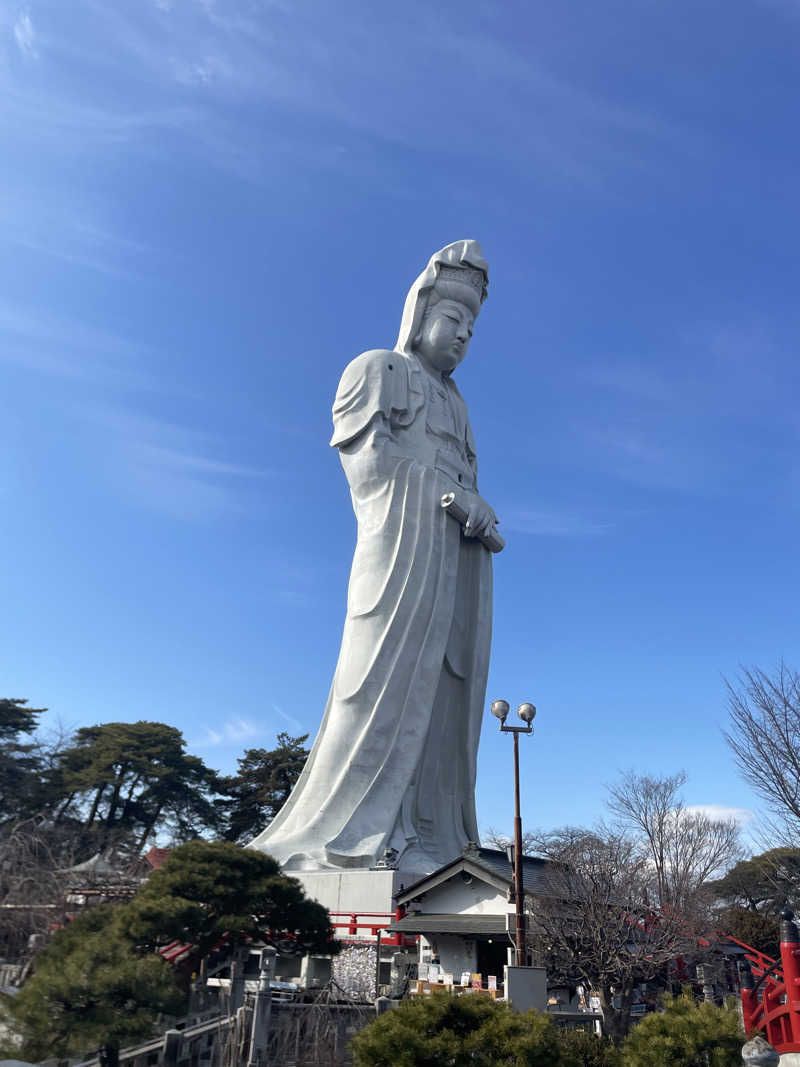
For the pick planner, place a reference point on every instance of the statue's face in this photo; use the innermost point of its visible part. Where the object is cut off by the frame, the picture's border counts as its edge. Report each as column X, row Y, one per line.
column 444, row 336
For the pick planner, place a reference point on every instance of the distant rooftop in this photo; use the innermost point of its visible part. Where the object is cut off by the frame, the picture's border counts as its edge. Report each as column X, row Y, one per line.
column 157, row 857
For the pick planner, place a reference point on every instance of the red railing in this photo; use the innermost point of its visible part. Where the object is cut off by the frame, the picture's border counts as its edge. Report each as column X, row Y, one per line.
column 771, row 990
column 351, row 922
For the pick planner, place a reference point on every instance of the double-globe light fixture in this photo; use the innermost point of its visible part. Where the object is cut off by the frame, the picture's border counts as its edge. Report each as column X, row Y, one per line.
column 526, row 712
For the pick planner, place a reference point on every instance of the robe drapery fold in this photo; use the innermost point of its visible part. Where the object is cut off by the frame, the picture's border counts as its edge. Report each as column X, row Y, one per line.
column 394, row 762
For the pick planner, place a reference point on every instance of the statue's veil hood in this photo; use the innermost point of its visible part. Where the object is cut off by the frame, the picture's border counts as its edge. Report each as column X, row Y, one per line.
column 463, row 254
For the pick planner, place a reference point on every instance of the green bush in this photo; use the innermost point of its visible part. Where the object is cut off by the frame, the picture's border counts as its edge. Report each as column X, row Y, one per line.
column 580, row 1048
column 465, row 1031
column 685, row 1034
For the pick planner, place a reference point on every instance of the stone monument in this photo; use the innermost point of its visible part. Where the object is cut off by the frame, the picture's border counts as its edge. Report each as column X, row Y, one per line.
column 390, row 781
column 759, row 1053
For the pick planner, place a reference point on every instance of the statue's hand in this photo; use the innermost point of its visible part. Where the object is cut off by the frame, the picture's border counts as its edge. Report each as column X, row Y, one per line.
column 480, row 516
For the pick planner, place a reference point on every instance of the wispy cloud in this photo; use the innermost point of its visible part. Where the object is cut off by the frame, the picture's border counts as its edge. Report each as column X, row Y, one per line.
column 644, row 452
column 57, row 119
column 44, row 343
column 57, row 221
column 546, row 523
column 173, row 470
column 25, row 35
column 630, row 378
column 722, row 811
column 164, row 465
column 692, row 416
column 233, row 731
column 293, row 722
column 195, row 65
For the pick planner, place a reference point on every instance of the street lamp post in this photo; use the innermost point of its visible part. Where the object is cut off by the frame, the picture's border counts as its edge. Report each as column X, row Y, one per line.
column 527, row 713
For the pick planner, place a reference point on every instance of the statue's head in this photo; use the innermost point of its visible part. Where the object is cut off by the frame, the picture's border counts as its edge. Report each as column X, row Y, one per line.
column 443, row 304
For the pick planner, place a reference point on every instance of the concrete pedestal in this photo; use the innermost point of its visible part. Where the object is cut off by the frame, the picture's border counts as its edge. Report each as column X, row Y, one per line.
column 357, row 892
column 526, row 987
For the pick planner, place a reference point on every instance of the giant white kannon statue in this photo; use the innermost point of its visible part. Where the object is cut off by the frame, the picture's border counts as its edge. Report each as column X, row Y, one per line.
column 393, row 765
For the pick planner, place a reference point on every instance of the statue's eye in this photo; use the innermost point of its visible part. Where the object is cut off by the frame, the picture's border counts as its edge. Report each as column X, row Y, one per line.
column 453, row 318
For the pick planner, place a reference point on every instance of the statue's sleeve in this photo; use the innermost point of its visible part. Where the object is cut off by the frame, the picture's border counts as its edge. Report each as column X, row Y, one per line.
column 374, row 387
column 472, row 455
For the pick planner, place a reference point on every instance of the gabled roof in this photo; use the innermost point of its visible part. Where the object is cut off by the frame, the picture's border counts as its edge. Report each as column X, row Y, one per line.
column 539, row 876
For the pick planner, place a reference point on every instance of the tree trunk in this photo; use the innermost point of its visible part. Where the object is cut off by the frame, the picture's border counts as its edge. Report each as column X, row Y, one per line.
column 109, row 1056
column 96, row 804
column 63, row 809
column 616, row 1021
column 112, row 805
column 126, row 806
column 108, row 822
column 149, row 828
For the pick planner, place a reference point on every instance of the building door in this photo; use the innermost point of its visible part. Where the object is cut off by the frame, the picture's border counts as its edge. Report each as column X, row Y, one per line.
column 492, row 956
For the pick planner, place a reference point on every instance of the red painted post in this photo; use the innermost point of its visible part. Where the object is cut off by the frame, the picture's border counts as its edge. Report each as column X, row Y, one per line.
column 771, row 998
column 790, row 947
column 398, row 940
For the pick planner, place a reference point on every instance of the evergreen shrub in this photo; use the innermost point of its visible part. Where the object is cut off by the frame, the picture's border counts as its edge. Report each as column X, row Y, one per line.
column 685, row 1034
column 581, row 1048
column 465, row 1031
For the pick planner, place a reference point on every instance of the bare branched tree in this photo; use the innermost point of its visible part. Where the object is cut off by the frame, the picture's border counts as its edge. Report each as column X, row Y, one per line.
column 686, row 848
column 601, row 931
column 493, row 838
column 764, row 736
column 32, row 900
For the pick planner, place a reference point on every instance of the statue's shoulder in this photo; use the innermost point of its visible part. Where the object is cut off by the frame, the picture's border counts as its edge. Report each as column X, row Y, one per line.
column 373, row 362
column 379, row 373
column 377, row 381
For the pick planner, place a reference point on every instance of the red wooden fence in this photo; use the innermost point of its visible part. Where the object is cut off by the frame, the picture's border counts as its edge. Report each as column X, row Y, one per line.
column 375, row 921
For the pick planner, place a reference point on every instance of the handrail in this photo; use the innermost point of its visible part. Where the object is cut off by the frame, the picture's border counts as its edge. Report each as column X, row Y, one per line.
column 775, row 1013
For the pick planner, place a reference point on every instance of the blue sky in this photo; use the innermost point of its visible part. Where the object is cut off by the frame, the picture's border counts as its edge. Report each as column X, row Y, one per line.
column 209, row 208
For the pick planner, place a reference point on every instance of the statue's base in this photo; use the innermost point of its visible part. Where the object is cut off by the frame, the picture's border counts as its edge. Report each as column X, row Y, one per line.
column 357, row 898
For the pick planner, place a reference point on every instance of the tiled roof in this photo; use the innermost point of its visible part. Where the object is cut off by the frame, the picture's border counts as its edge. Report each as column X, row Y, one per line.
column 539, row 875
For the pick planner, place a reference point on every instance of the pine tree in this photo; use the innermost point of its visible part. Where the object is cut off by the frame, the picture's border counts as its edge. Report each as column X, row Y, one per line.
column 125, row 781
column 19, row 759
column 93, row 990
column 207, row 890
column 257, row 793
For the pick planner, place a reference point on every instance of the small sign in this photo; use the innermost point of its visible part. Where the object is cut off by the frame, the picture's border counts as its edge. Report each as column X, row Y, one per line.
column 447, row 979
column 477, row 981
column 492, row 980
column 465, row 976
